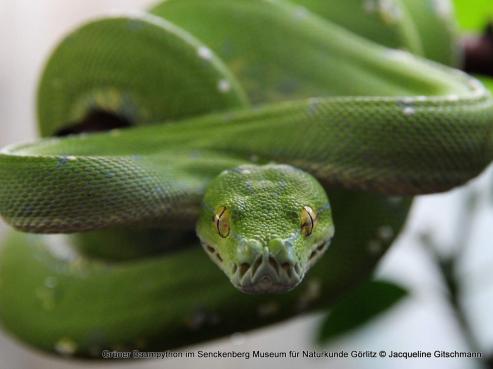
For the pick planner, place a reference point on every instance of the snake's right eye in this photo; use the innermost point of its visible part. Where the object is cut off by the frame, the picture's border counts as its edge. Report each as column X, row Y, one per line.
column 308, row 220
column 221, row 221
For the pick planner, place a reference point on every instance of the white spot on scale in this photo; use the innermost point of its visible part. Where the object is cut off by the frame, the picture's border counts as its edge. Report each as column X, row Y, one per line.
column 204, row 53
column 65, row 346
column 443, row 8
column 408, row 100
column 475, row 85
column 57, row 245
column 313, row 106
column 369, row 6
column 223, row 86
column 408, row 110
column 300, row 12
column 398, row 54
column 389, row 11
column 115, row 132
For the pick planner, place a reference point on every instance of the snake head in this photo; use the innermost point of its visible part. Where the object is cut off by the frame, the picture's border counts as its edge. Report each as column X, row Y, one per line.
column 265, row 226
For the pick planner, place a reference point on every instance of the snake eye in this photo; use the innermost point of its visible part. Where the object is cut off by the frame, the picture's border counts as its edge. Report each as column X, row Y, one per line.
column 221, row 221
column 308, row 220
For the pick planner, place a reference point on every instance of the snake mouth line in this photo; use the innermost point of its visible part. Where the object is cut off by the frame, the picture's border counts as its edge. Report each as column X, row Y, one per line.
column 266, row 274
column 263, row 263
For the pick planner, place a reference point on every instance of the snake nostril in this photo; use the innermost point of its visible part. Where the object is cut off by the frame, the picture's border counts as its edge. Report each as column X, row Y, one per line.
column 235, row 268
column 243, row 269
column 211, row 249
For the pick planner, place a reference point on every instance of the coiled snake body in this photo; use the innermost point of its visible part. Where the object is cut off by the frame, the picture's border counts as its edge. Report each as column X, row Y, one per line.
column 263, row 105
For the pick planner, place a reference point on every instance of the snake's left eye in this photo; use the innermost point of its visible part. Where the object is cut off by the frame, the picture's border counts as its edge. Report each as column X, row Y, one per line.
column 308, row 220
column 221, row 221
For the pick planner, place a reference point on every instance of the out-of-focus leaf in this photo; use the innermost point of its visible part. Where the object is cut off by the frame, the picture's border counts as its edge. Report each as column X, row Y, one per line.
column 473, row 15
column 360, row 307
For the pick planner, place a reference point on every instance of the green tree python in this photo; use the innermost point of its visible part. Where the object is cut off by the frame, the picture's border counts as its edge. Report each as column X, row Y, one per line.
column 265, row 111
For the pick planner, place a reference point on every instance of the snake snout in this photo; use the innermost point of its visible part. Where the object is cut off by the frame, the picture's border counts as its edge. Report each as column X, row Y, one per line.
column 267, row 274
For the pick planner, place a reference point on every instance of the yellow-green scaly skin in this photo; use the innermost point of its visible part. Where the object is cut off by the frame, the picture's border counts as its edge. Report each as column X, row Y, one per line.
column 212, row 86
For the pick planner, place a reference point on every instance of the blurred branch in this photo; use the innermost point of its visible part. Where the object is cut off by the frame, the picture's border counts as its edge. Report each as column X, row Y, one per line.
column 449, row 267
